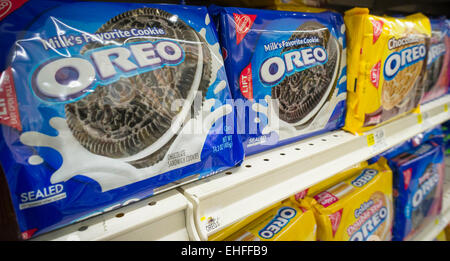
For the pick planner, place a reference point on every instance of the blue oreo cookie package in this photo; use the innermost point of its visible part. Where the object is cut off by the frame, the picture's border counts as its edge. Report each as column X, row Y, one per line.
column 103, row 104
column 287, row 73
column 419, row 171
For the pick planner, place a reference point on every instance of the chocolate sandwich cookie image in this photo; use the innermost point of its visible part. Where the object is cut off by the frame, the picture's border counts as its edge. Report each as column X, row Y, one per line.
column 113, row 103
column 132, row 118
column 302, row 94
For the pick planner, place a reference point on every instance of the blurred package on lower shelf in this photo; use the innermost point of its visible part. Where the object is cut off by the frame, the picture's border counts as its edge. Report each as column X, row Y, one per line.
column 359, row 208
column 284, row 221
column 419, row 170
column 446, row 132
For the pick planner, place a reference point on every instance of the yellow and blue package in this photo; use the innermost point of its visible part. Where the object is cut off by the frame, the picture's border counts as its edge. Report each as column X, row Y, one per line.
column 386, row 66
column 418, row 187
column 286, row 221
column 287, row 73
column 359, row 208
column 108, row 107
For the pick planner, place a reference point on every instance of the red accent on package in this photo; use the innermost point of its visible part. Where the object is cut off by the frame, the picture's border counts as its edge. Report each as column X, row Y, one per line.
column 375, row 74
column 9, row 6
column 377, row 29
column 407, row 177
column 28, row 234
column 224, row 53
column 246, row 83
column 301, row 194
column 335, row 220
column 243, row 24
column 326, row 198
column 9, row 111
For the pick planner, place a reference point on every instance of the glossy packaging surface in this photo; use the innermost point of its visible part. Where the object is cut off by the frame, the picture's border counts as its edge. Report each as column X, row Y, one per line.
column 104, row 104
column 418, row 184
column 386, row 67
column 287, row 73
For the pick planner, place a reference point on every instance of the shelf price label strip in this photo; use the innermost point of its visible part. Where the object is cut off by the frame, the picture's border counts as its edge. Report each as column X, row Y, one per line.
column 376, row 140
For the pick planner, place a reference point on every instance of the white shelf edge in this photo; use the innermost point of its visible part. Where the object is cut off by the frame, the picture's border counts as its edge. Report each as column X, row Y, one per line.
column 222, row 199
column 166, row 216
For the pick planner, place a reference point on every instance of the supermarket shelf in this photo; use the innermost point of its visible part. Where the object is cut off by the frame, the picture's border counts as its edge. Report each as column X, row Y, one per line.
column 167, row 217
column 430, row 232
column 269, row 177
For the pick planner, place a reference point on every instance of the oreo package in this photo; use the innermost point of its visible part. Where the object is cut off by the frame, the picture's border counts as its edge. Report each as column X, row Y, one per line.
column 104, row 104
column 287, row 73
column 418, row 187
column 435, row 79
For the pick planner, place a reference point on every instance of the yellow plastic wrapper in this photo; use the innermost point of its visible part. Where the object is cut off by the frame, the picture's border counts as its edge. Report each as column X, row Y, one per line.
column 286, row 222
column 323, row 185
column 226, row 232
column 357, row 209
column 262, row 3
column 447, row 232
column 386, row 65
column 295, row 6
column 441, row 236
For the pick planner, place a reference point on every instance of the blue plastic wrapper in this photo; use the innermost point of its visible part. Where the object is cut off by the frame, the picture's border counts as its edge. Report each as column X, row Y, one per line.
column 418, row 186
column 419, row 170
column 103, row 104
column 287, row 73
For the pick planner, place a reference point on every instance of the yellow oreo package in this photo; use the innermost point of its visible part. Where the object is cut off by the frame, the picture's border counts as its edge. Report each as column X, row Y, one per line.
column 286, row 222
column 357, row 209
column 386, row 65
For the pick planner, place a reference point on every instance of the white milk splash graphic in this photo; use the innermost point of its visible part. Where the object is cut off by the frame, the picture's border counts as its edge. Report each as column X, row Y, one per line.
column 114, row 173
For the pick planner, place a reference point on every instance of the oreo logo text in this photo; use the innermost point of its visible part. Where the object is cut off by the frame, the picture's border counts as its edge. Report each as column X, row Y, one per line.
column 397, row 61
column 282, row 218
column 274, row 69
column 64, row 79
column 366, row 176
column 370, row 225
column 436, row 50
column 424, row 189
